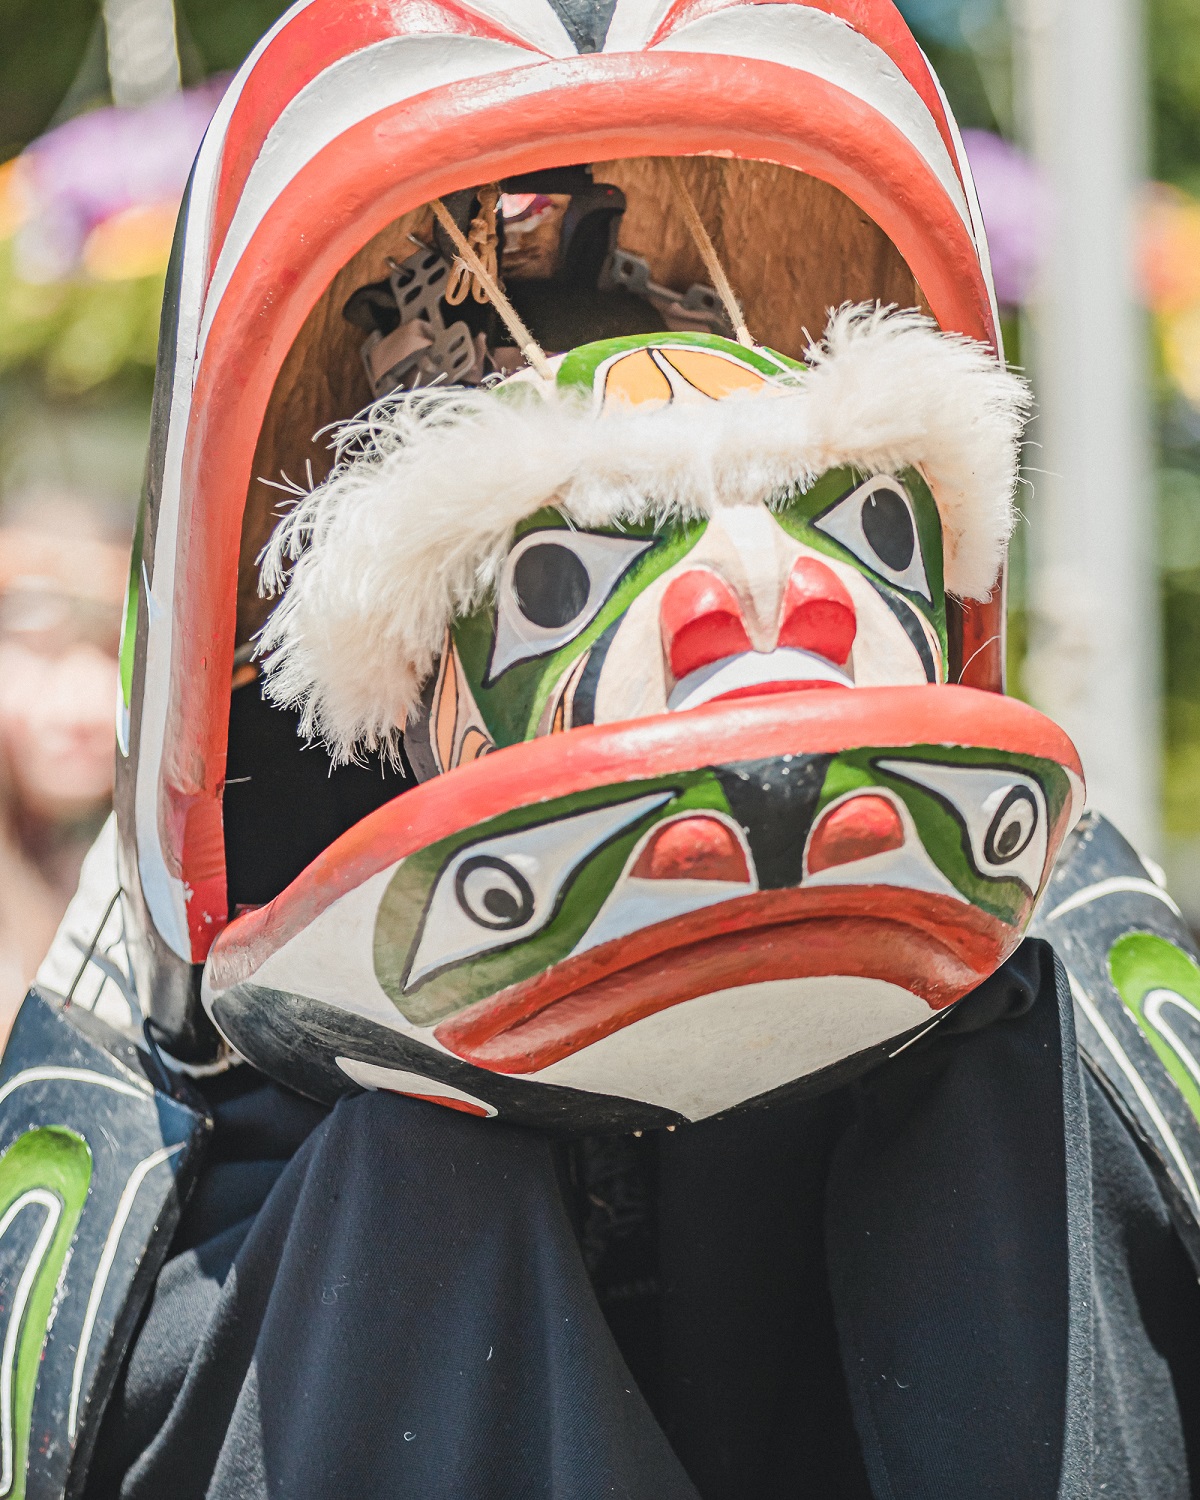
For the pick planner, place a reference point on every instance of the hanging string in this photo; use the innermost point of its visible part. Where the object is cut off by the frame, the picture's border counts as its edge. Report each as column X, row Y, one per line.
column 522, row 337
column 708, row 254
column 483, row 239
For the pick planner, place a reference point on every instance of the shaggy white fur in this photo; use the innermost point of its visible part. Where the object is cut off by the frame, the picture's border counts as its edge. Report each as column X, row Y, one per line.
column 411, row 527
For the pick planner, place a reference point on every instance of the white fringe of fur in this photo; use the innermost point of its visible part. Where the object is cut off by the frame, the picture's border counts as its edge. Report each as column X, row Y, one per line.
column 410, row 529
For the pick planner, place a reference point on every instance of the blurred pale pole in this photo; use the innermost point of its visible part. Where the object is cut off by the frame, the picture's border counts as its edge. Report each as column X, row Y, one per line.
column 143, row 58
column 1093, row 587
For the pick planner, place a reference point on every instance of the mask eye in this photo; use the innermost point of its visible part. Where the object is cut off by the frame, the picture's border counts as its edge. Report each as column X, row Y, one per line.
column 876, row 523
column 1003, row 813
column 504, row 889
column 552, row 586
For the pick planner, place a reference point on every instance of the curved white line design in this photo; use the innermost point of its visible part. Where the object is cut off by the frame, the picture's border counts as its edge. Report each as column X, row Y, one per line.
column 812, row 41
column 1152, row 1007
column 74, row 1075
column 40, row 1198
column 1138, row 1084
column 104, row 1269
column 358, row 86
column 400, row 1081
column 1116, row 885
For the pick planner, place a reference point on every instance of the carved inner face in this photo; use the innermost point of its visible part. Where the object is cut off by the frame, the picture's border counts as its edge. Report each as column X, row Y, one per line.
column 836, row 584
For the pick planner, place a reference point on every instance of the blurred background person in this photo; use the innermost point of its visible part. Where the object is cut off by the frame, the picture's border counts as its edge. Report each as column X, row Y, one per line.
column 61, row 586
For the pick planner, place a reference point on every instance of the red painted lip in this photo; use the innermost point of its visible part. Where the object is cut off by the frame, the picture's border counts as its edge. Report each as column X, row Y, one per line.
column 539, row 770
column 766, row 689
column 932, row 945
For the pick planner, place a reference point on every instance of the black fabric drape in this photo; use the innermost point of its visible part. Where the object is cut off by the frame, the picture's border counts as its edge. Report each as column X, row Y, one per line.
column 954, row 1279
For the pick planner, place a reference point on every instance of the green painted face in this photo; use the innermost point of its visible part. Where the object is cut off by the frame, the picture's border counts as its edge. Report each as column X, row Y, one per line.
column 834, row 583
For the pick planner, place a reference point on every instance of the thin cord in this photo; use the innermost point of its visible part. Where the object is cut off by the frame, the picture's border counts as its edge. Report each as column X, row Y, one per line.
column 525, row 341
column 708, row 255
column 483, row 239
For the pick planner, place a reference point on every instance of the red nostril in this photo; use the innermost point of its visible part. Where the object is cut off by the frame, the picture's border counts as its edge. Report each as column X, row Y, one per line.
column 701, row 622
column 818, row 613
column 855, row 829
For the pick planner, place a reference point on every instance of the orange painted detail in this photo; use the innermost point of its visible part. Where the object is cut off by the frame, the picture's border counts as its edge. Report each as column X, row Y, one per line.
column 701, row 621
column 934, row 946
column 855, row 829
column 635, row 380
column 818, row 612
column 694, row 848
column 712, row 374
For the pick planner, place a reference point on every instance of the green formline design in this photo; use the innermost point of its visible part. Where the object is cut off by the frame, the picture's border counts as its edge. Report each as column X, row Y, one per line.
column 1141, row 963
column 50, row 1167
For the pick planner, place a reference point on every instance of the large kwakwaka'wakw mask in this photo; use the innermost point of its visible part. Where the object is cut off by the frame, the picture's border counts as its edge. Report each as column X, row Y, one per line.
column 665, row 640
column 643, row 630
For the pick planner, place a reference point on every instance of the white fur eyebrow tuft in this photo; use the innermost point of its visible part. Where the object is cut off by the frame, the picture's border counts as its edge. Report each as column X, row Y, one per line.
column 411, row 527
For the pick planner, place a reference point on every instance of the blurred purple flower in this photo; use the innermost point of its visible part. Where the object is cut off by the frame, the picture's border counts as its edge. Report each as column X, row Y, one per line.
column 1013, row 199
column 103, row 162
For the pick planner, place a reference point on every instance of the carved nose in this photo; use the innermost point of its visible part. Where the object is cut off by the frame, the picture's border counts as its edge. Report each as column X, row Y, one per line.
column 817, row 613
column 701, row 621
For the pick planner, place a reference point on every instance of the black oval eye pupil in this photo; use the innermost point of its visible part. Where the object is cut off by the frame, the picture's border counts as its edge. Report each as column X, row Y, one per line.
column 506, row 899
column 502, row 904
column 1013, row 827
column 551, row 584
column 887, row 525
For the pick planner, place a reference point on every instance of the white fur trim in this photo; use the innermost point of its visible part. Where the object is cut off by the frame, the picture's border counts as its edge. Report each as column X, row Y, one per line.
column 411, row 527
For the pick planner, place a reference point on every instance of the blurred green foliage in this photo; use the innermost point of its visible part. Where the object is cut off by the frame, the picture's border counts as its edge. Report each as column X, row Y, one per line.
column 75, row 337
column 53, row 50
column 1173, row 41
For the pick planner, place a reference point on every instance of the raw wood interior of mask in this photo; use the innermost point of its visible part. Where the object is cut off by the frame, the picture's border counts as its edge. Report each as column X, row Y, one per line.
column 792, row 246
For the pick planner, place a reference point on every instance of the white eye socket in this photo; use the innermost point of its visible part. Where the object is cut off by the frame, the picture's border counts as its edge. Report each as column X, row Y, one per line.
column 553, row 584
column 494, row 893
column 1004, row 815
column 504, row 889
column 877, row 524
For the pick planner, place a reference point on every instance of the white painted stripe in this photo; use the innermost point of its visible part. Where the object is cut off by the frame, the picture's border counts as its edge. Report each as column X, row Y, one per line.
column 1117, row 885
column 1138, row 1084
column 104, row 1270
column 533, row 20
column 801, row 37
column 369, row 80
column 399, row 1081
column 40, row 1198
column 981, row 241
column 74, row 1075
column 633, row 23
column 1152, row 1007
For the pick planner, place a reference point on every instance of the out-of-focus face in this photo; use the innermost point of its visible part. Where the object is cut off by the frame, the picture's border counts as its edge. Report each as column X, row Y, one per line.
column 836, row 585
column 58, row 683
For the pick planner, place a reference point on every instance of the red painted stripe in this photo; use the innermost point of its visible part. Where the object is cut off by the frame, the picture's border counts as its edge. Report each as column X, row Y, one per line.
column 581, row 109
column 878, row 20
column 611, row 755
column 319, row 36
